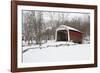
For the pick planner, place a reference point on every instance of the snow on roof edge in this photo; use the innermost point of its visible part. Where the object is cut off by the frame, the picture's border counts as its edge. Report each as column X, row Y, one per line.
column 64, row 27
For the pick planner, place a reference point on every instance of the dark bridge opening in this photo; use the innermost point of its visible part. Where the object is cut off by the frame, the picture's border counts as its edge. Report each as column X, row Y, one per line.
column 62, row 35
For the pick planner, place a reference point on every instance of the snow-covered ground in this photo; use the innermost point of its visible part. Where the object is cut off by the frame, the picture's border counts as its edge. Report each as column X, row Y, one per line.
column 56, row 52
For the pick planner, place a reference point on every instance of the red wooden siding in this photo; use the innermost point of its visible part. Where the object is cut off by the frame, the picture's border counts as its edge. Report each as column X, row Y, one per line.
column 75, row 36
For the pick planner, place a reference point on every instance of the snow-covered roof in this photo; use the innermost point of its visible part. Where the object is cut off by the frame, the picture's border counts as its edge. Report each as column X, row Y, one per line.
column 64, row 27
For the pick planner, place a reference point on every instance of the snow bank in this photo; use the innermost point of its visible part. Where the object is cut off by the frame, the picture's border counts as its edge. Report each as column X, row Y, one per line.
column 57, row 54
column 46, row 45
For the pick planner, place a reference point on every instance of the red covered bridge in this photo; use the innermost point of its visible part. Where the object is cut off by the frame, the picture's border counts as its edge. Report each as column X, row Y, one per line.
column 66, row 33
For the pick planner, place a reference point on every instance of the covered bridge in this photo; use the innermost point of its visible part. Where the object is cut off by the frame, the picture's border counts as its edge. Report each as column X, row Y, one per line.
column 66, row 33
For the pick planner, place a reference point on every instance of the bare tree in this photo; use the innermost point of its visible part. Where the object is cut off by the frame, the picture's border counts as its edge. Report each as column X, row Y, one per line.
column 27, row 27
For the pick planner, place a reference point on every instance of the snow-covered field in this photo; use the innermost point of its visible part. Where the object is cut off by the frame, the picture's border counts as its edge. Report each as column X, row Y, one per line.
column 56, row 52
